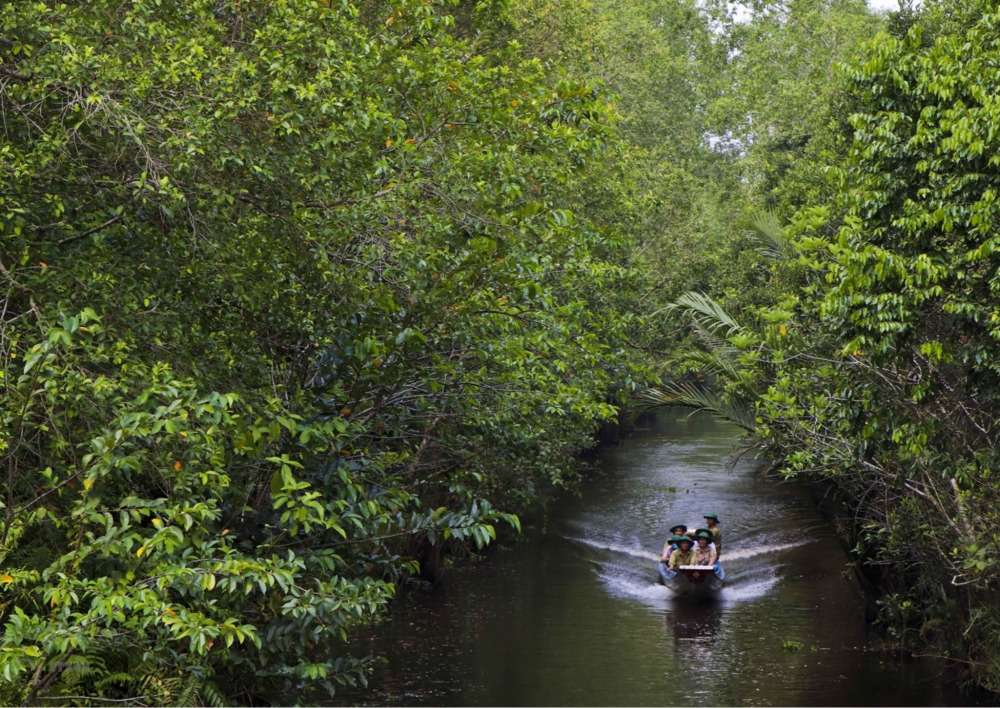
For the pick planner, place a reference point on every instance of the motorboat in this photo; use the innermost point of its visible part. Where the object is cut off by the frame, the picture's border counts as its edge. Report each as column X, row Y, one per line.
column 692, row 580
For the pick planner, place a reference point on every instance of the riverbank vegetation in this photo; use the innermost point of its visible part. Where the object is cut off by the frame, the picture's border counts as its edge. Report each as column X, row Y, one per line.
column 299, row 295
column 869, row 358
column 294, row 293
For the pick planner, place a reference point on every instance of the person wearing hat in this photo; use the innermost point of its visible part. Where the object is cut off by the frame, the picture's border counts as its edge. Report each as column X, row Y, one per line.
column 704, row 550
column 716, row 531
column 669, row 547
column 683, row 554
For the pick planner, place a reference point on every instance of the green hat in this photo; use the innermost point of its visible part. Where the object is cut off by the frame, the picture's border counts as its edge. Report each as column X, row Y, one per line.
column 679, row 539
column 703, row 533
column 713, row 517
column 683, row 528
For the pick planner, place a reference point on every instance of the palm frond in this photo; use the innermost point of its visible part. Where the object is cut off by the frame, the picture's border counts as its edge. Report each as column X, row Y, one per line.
column 770, row 236
column 212, row 695
column 706, row 312
column 724, row 355
column 190, row 691
column 709, row 364
column 700, row 398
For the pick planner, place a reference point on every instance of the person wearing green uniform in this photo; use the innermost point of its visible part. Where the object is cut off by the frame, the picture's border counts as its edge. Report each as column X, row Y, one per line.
column 682, row 555
column 669, row 547
column 704, row 550
column 712, row 521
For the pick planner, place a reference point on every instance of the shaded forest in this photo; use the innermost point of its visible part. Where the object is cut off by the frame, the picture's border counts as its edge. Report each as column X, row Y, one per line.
column 303, row 301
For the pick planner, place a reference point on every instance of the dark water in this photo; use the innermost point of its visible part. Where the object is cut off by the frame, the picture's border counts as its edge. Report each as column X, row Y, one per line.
column 575, row 616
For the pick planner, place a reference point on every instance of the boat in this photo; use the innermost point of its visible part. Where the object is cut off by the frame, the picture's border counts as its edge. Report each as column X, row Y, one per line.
column 693, row 580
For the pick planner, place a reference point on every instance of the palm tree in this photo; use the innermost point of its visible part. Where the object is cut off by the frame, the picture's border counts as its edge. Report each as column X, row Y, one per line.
column 713, row 327
column 718, row 359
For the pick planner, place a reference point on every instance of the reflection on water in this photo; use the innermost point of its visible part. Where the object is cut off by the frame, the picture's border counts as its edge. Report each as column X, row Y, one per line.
column 576, row 616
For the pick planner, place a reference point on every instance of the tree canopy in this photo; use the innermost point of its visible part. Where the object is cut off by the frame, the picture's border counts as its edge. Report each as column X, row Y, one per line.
column 303, row 299
column 294, row 293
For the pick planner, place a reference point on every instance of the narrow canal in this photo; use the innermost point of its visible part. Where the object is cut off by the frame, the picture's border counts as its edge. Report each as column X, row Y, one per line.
column 574, row 616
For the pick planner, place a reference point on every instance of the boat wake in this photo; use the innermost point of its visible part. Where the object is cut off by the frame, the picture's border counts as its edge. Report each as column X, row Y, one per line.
column 625, row 578
column 639, row 552
column 754, row 551
column 650, row 593
column 615, row 548
column 635, row 588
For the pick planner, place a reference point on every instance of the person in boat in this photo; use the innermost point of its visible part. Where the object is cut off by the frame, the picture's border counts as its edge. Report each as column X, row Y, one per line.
column 670, row 546
column 704, row 550
column 683, row 554
column 712, row 521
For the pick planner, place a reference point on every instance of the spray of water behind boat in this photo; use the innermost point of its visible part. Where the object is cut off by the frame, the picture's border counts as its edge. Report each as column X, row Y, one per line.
column 623, row 567
column 692, row 581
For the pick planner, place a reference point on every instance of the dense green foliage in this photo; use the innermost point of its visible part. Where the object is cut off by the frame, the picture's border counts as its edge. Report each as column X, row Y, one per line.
column 871, row 363
column 299, row 296
column 295, row 293
column 898, row 400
